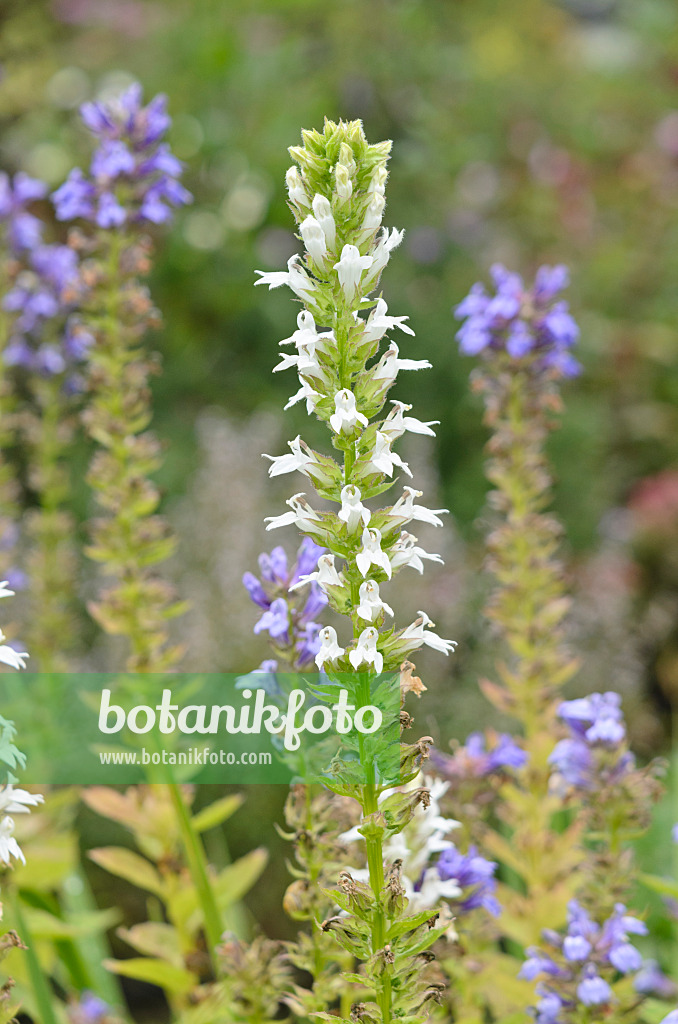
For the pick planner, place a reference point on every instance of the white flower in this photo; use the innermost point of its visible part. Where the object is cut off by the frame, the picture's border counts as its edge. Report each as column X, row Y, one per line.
column 371, row 553
column 350, row 269
column 390, row 363
column 365, row 652
column 323, row 214
column 8, row 845
column 305, row 333
column 301, row 514
column 304, row 392
column 420, row 632
column 314, row 239
column 378, row 181
column 405, row 551
column 371, row 605
column 18, row 801
column 433, row 889
column 298, row 459
column 295, row 277
column 406, row 509
column 386, row 244
column 4, row 591
column 352, row 511
column 373, row 214
column 326, row 574
column 345, row 417
column 383, row 459
column 329, row 648
column 305, row 360
column 378, row 323
column 295, row 187
column 8, row 656
column 396, row 423
column 343, row 183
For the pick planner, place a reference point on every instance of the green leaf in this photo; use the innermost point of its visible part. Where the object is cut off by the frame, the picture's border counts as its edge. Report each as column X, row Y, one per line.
column 130, row 866
column 155, row 972
column 235, row 880
column 214, row 814
column 156, row 939
column 664, row 886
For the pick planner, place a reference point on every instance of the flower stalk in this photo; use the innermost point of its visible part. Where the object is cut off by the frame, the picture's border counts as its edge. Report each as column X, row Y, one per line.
column 337, row 197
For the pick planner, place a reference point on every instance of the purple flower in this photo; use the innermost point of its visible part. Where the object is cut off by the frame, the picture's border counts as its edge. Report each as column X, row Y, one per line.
column 89, row 1010
column 275, row 620
column 255, row 590
column 522, row 323
column 24, row 230
column 576, row 947
column 537, row 963
column 548, row 1007
column 474, row 875
column 593, row 990
column 133, row 176
column 671, row 1018
column 651, row 981
column 75, row 198
column 674, row 833
column 473, row 760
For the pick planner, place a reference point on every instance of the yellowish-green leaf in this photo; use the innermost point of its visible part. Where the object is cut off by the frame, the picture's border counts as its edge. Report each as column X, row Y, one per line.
column 154, row 939
column 214, row 814
column 130, row 866
column 156, row 972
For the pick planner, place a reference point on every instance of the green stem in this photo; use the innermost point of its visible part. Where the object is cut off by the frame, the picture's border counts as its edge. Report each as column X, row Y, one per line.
column 197, row 865
column 39, row 983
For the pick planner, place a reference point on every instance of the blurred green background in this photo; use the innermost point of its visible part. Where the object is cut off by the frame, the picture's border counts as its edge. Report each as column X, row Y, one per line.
column 527, row 133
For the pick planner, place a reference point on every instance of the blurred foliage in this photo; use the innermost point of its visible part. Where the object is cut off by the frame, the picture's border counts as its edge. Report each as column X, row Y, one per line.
column 548, row 133
column 527, row 133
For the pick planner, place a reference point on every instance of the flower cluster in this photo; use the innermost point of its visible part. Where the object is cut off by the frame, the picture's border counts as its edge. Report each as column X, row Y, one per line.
column 133, row 175
column 580, row 967
column 338, row 201
column 519, row 321
column 290, row 598
column 45, row 285
column 89, row 1009
column 474, row 760
column 594, row 753
column 432, row 867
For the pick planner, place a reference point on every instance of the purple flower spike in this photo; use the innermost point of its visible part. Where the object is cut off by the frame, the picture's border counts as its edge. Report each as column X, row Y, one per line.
column 474, row 875
column 133, row 175
column 519, row 322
